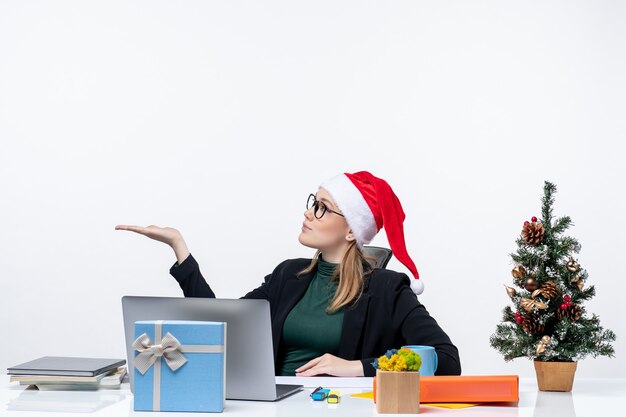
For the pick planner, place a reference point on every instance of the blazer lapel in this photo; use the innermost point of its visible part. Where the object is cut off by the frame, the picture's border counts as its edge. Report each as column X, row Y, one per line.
column 352, row 332
column 292, row 292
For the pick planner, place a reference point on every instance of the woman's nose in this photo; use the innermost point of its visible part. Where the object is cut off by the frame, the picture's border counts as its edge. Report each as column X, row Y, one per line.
column 308, row 213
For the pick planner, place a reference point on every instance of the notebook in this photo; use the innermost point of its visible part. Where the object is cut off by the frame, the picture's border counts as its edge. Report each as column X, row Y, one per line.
column 66, row 366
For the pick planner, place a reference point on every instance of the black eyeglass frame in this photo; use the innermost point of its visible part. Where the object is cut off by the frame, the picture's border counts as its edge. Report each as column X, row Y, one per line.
column 313, row 202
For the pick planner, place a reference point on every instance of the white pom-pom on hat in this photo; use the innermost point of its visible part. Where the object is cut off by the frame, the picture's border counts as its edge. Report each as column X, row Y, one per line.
column 417, row 286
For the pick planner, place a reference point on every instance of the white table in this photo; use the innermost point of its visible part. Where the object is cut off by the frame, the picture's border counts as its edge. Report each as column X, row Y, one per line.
column 590, row 397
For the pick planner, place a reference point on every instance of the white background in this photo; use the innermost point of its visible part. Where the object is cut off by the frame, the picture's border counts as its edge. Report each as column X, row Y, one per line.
column 220, row 117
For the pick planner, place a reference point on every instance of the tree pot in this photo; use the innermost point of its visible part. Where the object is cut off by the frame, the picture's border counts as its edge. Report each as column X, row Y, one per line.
column 555, row 376
column 397, row 392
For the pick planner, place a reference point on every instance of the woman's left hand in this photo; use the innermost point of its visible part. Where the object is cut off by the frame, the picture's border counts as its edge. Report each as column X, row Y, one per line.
column 328, row 364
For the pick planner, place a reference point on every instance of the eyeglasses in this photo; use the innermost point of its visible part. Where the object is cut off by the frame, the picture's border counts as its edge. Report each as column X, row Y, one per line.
column 319, row 208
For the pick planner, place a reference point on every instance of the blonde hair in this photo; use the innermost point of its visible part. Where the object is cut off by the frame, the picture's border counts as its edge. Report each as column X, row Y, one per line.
column 350, row 274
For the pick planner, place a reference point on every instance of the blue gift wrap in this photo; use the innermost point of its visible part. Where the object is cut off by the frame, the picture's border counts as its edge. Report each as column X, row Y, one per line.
column 179, row 366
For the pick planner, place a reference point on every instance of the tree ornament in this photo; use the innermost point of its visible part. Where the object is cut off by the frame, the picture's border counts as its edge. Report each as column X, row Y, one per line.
column 576, row 279
column 567, row 302
column 547, row 290
column 510, row 291
column 518, row 272
column 533, row 219
column 572, row 265
column 528, row 304
column 531, row 284
column 533, row 233
column 531, row 324
column 541, row 347
column 526, row 222
column 572, row 311
column 518, row 317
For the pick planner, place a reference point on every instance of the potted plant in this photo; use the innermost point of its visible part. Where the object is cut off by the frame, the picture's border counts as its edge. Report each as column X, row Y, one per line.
column 397, row 382
column 548, row 323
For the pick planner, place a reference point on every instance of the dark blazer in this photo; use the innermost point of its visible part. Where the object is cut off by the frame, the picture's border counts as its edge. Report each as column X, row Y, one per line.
column 386, row 316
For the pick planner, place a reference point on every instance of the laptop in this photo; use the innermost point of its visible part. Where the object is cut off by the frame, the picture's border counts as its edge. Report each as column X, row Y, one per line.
column 249, row 347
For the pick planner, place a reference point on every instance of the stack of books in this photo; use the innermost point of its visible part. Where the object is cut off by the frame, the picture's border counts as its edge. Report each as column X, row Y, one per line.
column 67, row 373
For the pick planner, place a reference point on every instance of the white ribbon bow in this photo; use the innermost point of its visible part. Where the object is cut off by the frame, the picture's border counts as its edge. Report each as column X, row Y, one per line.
column 149, row 353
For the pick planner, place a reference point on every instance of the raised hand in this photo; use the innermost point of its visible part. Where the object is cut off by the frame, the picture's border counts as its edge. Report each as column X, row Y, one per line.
column 167, row 235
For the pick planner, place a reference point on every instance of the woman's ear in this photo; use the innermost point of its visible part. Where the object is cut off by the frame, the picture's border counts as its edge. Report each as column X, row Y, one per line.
column 350, row 237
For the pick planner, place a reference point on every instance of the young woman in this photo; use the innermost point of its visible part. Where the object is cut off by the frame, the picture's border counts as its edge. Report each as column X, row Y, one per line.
column 334, row 314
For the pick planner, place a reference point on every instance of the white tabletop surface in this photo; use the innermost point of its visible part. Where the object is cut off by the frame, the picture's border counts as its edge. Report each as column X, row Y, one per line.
column 590, row 397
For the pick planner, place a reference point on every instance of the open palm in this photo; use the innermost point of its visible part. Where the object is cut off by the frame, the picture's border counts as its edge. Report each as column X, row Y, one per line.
column 167, row 235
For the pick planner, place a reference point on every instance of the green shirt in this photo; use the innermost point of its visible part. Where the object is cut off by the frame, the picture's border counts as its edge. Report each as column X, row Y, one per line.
column 309, row 331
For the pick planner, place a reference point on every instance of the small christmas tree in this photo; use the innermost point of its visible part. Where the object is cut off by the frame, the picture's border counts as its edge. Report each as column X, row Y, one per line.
column 549, row 322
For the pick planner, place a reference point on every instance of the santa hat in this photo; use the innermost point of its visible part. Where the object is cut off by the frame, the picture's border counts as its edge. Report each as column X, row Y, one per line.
column 368, row 203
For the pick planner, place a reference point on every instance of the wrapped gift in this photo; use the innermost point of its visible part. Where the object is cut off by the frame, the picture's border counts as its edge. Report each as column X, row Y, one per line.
column 179, row 365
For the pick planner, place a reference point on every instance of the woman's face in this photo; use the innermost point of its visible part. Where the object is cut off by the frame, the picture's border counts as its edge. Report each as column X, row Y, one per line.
column 331, row 233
